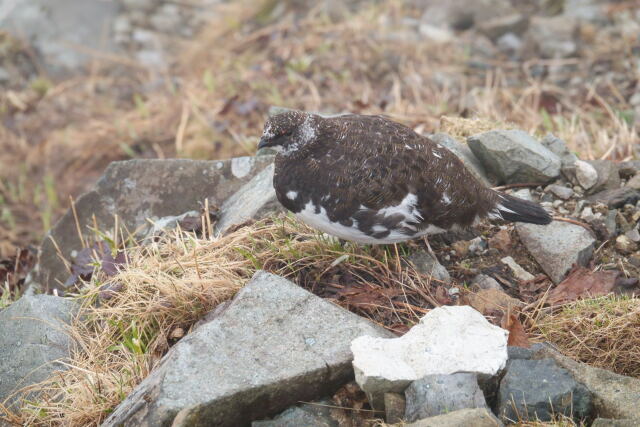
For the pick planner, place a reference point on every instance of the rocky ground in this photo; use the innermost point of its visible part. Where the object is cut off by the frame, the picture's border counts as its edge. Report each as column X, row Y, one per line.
column 491, row 293
column 179, row 292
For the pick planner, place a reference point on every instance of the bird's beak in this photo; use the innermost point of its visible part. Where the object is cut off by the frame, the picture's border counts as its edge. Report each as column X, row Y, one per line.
column 263, row 143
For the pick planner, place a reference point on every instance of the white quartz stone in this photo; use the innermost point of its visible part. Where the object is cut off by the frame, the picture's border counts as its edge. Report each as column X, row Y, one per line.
column 448, row 339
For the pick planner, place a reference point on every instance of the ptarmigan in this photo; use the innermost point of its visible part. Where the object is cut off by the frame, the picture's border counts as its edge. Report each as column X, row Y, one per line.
column 371, row 180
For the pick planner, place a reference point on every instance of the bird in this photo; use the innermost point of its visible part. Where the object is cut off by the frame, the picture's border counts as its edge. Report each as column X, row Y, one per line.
column 371, row 180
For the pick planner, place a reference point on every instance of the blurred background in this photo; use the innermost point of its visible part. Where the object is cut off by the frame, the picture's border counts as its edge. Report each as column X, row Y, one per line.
column 87, row 82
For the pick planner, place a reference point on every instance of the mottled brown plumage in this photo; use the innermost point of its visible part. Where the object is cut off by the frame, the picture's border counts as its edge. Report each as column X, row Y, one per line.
column 377, row 178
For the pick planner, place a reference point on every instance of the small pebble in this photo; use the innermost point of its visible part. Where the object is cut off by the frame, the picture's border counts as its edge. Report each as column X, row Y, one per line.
column 633, row 235
column 560, row 191
column 518, row 272
column 625, row 245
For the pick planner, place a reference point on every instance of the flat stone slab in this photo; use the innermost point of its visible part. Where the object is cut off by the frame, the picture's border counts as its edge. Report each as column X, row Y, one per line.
column 448, row 339
column 557, row 246
column 139, row 189
column 273, row 345
column 33, row 340
column 515, row 156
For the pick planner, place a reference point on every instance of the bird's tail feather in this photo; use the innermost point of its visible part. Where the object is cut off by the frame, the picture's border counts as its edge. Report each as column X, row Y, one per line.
column 515, row 209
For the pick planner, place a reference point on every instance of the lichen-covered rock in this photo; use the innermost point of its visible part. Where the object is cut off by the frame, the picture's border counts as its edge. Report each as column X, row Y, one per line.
column 135, row 190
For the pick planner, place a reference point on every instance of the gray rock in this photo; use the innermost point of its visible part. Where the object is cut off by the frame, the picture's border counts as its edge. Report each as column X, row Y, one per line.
column 617, row 198
column 608, row 422
column 426, row 264
column 558, row 147
column 553, row 37
column 585, row 10
column 614, row 396
column 514, row 156
column 496, row 27
column 307, row 414
column 256, row 199
column 479, row 417
column 519, row 353
column 274, row 345
column 438, row 394
column 523, row 193
column 139, row 189
column 509, row 43
column 560, row 191
column 464, row 153
column 461, row 15
column 581, row 173
column 166, row 19
column 144, row 5
column 629, row 168
column 394, row 407
column 53, row 28
column 557, row 246
column 608, row 177
column 634, row 182
column 538, row 389
column 482, row 281
column 33, row 340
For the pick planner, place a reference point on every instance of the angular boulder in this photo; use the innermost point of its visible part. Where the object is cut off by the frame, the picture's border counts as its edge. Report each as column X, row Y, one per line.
column 557, row 246
column 539, row 390
column 136, row 190
column 464, row 153
column 275, row 344
column 514, row 156
column 256, row 199
column 448, row 339
column 434, row 395
column 614, row 396
column 33, row 340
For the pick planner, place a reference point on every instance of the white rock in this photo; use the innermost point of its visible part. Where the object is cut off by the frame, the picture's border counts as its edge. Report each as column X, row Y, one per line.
column 586, row 174
column 519, row 272
column 448, row 339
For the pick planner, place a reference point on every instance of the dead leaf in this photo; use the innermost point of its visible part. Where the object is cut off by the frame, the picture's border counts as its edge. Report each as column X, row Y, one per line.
column 501, row 241
column 517, row 335
column 488, row 301
column 442, row 296
column 584, row 283
column 86, row 259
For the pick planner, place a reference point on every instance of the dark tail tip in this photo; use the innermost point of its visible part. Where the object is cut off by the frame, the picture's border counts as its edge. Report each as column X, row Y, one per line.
column 514, row 209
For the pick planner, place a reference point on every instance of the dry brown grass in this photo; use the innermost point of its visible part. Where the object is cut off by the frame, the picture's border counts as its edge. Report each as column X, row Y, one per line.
column 603, row 332
column 127, row 322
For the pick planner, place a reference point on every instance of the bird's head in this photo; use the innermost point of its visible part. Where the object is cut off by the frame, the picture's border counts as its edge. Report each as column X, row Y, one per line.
column 288, row 131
